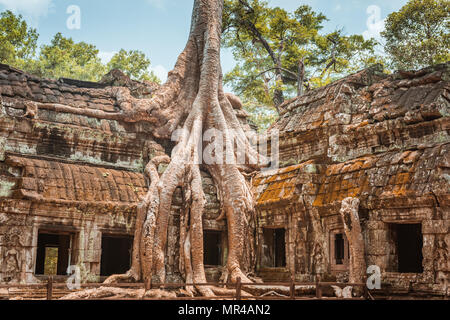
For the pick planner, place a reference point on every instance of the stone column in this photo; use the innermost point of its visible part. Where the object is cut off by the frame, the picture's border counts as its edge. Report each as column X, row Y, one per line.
column 436, row 254
column 87, row 251
column 291, row 243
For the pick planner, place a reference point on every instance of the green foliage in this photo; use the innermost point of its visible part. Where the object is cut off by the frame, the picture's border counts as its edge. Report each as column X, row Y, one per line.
column 269, row 44
column 64, row 58
column 18, row 42
column 349, row 54
column 418, row 34
column 134, row 64
column 261, row 116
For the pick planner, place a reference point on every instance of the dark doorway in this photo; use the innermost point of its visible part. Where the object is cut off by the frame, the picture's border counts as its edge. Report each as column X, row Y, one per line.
column 116, row 255
column 409, row 242
column 53, row 254
column 339, row 248
column 274, row 248
column 212, row 243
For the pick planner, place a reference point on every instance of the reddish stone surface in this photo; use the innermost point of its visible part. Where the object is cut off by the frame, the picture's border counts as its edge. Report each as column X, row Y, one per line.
column 383, row 139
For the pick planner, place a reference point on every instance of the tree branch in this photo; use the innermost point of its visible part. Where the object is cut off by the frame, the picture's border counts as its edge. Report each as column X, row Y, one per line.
column 294, row 75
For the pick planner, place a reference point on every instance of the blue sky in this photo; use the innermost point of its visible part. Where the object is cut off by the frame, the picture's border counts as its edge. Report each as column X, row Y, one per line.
column 160, row 27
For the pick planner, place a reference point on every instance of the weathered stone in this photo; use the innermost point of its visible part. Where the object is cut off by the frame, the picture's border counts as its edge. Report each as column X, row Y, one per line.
column 435, row 227
column 379, row 138
column 396, row 166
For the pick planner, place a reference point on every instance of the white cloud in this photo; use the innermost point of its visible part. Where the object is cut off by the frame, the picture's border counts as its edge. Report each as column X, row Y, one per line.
column 160, row 72
column 106, row 56
column 31, row 9
column 338, row 7
column 375, row 25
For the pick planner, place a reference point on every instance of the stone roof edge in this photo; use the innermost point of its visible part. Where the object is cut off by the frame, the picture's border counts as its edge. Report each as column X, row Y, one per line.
column 10, row 156
column 73, row 82
column 373, row 72
column 376, row 69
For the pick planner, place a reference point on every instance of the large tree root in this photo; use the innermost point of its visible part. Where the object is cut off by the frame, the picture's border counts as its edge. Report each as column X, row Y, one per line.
column 192, row 100
column 119, row 293
column 104, row 293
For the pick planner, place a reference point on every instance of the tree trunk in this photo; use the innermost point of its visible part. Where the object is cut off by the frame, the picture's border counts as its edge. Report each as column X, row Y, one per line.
column 301, row 77
column 278, row 96
column 352, row 225
column 192, row 99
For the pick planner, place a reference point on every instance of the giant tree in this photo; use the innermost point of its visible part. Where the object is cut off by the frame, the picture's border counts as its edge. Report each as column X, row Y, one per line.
column 270, row 43
column 418, row 34
column 280, row 52
column 194, row 101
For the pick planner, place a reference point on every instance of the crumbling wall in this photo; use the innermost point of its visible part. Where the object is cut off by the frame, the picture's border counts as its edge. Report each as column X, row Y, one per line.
column 383, row 139
column 62, row 168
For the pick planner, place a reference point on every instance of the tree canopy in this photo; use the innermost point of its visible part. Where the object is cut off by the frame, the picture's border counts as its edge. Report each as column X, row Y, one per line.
column 278, row 52
column 17, row 41
column 134, row 64
column 418, row 34
column 63, row 57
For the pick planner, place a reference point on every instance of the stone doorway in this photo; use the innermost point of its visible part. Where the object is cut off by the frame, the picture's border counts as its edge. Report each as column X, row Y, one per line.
column 274, row 248
column 408, row 241
column 339, row 251
column 116, row 254
column 53, row 253
column 213, row 248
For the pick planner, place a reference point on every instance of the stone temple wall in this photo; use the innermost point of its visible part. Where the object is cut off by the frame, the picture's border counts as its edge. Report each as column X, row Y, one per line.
column 384, row 139
column 72, row 173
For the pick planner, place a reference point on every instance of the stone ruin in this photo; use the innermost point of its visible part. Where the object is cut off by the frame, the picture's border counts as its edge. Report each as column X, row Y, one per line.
column 364, row 180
